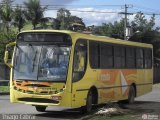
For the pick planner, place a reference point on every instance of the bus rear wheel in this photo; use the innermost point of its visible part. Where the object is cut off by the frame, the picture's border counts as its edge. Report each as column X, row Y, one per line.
column 131, row 95
column 41, row 108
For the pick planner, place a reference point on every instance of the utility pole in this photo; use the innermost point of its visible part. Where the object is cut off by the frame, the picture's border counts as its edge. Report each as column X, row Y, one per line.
column 125, row 19
column 125, row 22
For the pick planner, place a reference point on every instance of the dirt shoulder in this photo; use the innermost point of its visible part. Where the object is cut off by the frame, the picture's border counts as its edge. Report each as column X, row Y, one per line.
column 147, row 106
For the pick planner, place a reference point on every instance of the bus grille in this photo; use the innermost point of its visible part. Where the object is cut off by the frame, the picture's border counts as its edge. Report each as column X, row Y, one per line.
column 38, row 100
column 36, row 93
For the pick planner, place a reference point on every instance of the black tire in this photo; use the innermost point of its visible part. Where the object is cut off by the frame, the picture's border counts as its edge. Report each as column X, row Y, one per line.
column 131, row 95
column 41, row 108
column 89, row 102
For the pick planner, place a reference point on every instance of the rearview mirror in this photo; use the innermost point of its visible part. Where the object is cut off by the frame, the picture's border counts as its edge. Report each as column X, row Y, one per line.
column 6, row 61
column 8, row 54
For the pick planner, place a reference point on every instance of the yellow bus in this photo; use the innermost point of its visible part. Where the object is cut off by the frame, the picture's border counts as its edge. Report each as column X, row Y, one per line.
column 70, row 69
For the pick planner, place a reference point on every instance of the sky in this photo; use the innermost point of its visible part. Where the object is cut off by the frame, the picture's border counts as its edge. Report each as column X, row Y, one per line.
column 93, row 18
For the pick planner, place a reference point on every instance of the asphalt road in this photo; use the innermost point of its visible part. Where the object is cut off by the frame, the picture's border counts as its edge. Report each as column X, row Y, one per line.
column 149, row 103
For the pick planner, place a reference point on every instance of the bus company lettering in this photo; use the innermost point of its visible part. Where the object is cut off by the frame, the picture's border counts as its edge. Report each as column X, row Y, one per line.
column 105, row 77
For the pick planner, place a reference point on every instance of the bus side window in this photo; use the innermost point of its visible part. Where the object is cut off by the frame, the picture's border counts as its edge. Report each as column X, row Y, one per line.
column 80, row 60
column 148, row 58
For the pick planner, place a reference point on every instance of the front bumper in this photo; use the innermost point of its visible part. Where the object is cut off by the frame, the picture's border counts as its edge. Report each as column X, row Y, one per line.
column 45, row 100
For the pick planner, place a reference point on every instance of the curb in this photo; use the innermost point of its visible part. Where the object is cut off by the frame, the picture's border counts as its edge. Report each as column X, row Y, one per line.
column 4, row 93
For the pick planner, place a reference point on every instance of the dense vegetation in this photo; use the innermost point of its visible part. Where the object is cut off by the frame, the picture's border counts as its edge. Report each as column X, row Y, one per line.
column 15, row 19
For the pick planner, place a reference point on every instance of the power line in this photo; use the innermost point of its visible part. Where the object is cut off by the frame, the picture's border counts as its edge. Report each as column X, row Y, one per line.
column 54, row 7
column 94, row 11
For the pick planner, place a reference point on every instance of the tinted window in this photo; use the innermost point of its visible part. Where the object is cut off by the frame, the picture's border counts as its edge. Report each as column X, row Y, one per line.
column 139, row 58
column 147, row 58
column 80, row 60
column 130, row 57
column 94, row 54
column 119, row 57
column 106, row 56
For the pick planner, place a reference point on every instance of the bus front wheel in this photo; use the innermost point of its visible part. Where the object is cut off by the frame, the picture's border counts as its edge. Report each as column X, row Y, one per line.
column 131, row 95
column 41, row 108
column 89, row 102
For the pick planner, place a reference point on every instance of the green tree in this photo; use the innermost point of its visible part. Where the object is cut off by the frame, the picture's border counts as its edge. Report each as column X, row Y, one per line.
column 145, row 27
column 1, row 26
column 65, row 21
column 6, row 13
column 63, row 16
column 75, row 19
column 115, row 29
column 5, row 38
column 76, row 23
column 19, row 18
column 34, row 12
column 43, row 22
column 140, row 23
column 151, row 23
column 56, row 24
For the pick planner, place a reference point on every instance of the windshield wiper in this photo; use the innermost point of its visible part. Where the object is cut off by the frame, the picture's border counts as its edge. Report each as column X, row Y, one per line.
column 34, row 61
column 34, row 58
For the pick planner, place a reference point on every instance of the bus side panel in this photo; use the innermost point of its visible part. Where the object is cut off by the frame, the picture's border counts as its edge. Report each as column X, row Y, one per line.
column 140, row 82
column 144, row 84
column 113, row 84
column 80, row 88
column 148, row 80
column 79, row 92
column 106, row 81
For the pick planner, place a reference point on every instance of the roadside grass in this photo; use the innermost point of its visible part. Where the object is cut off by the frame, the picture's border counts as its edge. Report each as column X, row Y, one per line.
column 4, row 86
column 4, row 89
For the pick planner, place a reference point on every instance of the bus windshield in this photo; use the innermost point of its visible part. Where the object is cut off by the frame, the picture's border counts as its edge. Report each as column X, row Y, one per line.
column 41, row 62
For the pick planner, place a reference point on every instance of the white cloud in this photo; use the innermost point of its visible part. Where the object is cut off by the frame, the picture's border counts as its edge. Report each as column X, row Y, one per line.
column 91, row 18
column 94, row 18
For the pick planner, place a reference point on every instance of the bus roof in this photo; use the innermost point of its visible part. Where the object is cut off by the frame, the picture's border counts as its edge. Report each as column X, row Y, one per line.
column 77, row 35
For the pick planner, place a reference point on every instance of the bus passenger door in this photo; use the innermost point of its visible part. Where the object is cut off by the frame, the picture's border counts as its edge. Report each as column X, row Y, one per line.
column 78, row 76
